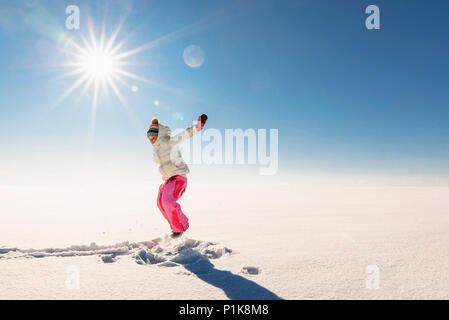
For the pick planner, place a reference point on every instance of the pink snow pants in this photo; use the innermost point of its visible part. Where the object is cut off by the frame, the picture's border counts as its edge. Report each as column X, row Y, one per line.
column 170, row 192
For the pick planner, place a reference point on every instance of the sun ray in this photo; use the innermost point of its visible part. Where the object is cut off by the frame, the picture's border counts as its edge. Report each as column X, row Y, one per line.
column 70, row 90
column 114, row 49
column 88, row 46
column 129, row 74
column 105, row 86
column 93, row 39
column 151, row 82
column 87, row 86
column 102, row 36
column 93, row 115
column 119, row 95
column 117, row 30
column 72, row 73
column 80, row 49
column 191, row 28
column 74, row 55
column 117, row 92
column 120, row 79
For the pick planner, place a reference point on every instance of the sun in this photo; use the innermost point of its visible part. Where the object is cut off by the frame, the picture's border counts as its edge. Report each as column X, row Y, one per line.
column 98, row 64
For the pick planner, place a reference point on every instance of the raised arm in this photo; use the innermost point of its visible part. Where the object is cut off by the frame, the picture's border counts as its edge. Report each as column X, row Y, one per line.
column 190, row 131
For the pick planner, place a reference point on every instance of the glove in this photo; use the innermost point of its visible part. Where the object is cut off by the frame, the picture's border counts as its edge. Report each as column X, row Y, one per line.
column 201, row 121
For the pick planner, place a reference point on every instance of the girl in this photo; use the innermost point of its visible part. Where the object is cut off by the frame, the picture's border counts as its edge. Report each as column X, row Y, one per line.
column 173, row 169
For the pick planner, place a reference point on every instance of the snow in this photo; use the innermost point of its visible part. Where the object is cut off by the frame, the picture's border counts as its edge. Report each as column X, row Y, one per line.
column 246, row 241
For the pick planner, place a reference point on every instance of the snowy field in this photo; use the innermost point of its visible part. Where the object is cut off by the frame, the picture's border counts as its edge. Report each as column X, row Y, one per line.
column 253, row 241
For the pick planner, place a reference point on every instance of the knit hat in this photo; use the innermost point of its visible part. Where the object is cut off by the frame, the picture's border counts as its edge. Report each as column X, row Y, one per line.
column 154, row 128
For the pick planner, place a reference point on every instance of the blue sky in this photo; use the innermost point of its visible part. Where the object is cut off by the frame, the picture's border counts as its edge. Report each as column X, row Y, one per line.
column 346, row 100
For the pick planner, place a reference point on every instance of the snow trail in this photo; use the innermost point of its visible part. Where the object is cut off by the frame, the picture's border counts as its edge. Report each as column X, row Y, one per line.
column 162, row 251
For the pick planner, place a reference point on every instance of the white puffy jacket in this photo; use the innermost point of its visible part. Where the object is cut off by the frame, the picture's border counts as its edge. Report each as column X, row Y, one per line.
column 166, row 152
